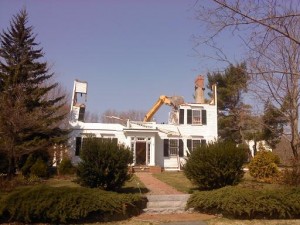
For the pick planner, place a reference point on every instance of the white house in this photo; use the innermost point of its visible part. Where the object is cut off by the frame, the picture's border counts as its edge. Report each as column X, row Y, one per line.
column 153, row 145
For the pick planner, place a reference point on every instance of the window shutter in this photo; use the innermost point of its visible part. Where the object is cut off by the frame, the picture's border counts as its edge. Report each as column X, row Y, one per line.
column 203, row 142
column 204, row 122
column 189, row 144
column 166, row 147
column 181, row 116
column 189, row 116
column 180, row 148
column 78, row 146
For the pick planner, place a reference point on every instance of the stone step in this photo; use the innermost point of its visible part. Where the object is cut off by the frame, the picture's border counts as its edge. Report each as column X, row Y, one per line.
column 164, row 210
column 179, row 197
column 139, row 169
column 166, row 203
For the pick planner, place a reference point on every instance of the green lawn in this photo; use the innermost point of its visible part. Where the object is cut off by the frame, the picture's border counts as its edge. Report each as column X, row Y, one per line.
column 134, row 185
column 224, row 221
column 181, row 183
column 176, row 179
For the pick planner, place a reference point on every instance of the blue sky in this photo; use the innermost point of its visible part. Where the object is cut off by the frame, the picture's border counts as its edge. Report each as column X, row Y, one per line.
column 129, row 51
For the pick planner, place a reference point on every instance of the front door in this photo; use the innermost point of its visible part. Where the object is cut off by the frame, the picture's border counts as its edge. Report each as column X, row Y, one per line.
column 140, row 151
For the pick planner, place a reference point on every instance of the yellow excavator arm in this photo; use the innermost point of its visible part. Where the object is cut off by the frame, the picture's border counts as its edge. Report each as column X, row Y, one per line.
column 172, row 101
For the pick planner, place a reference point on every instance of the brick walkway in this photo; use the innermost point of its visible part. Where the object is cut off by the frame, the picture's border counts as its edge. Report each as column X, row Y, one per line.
column 155, row 186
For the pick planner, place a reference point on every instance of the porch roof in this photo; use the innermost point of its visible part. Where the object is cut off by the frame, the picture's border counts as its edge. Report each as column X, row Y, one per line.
column 141, row 130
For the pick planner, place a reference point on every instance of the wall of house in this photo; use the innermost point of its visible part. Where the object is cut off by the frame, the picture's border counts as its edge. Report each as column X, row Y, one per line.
column 208, row 132
column 156, row 132
column 101, row 130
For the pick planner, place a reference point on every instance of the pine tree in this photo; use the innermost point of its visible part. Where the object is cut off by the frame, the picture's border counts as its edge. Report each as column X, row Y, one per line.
column 233, row 114
column 29, row 119
column 274, row 122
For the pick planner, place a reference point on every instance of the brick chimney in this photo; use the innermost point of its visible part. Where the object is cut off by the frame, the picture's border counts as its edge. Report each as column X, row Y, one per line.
column 199, row 89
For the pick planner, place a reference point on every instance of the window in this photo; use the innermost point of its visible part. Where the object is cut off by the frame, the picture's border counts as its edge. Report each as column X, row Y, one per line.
column 196, row 116
column 193, row 144
column 173, row 147
column 81, row 142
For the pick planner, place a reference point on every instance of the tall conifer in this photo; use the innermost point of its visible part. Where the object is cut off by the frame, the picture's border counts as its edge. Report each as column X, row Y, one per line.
column 29, row 118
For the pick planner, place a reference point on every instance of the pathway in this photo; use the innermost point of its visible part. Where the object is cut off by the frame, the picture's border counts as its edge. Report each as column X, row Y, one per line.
column 155, row 186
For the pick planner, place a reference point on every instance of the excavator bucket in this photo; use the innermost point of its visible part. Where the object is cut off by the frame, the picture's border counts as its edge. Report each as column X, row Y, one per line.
column 176, row 101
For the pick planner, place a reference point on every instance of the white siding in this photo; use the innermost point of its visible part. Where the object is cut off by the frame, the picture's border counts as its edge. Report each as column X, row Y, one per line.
column 157, row 133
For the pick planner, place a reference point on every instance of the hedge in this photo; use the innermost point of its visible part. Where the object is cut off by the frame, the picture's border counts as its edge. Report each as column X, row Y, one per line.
column 215, row 165
column 65, row 204
column 243, row 203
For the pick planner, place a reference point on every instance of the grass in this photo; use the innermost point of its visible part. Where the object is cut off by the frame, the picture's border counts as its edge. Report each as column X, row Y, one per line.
column 134, row 185
column 181, row 183
column 215, row 221
column 177, row 180
column 224, row 221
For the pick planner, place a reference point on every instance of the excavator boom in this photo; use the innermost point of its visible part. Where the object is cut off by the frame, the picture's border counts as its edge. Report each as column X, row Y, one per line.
column 172, row 101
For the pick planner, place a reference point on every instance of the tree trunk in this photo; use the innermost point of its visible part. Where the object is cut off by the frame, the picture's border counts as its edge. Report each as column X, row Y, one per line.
column 294, row 113
column 11, row 167
column 295, row 134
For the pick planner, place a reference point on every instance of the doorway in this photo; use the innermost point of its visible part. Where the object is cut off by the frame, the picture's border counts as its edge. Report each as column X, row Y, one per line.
column 140, row 151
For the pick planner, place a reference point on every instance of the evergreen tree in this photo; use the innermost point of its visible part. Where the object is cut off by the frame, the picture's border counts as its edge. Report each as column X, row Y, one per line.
column 29, row 119
column 233, row 114
column 274, row 122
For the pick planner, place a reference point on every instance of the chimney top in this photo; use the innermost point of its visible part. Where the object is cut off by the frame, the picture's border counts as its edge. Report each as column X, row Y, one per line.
column 199, row 89
column 199, row 81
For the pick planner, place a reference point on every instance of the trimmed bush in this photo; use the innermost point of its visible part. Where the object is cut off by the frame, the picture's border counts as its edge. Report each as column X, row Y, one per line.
column 263, row 166
column 66, row 167
column 245, row 203
column 104, row 164
column 65, row 204
column 215, row 165
column 39, row 169
column 27, row 165
column 3, row 163
column 28, row 161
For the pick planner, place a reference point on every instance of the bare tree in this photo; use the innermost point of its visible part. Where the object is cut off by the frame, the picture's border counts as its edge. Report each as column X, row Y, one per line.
column 113, row 116
column 91, row 117
column 270, row 31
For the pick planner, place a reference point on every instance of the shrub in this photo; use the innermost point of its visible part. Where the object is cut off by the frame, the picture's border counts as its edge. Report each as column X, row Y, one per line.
column 28, row 161
column 263, row 166
column 28, row 164
column 39, row 169
column 7, row 185
column 66, row 167
column 3, row 163
column 104, row 164
column 244, row 203
column 65, row 204
column 215, row 165
column 291, row 176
